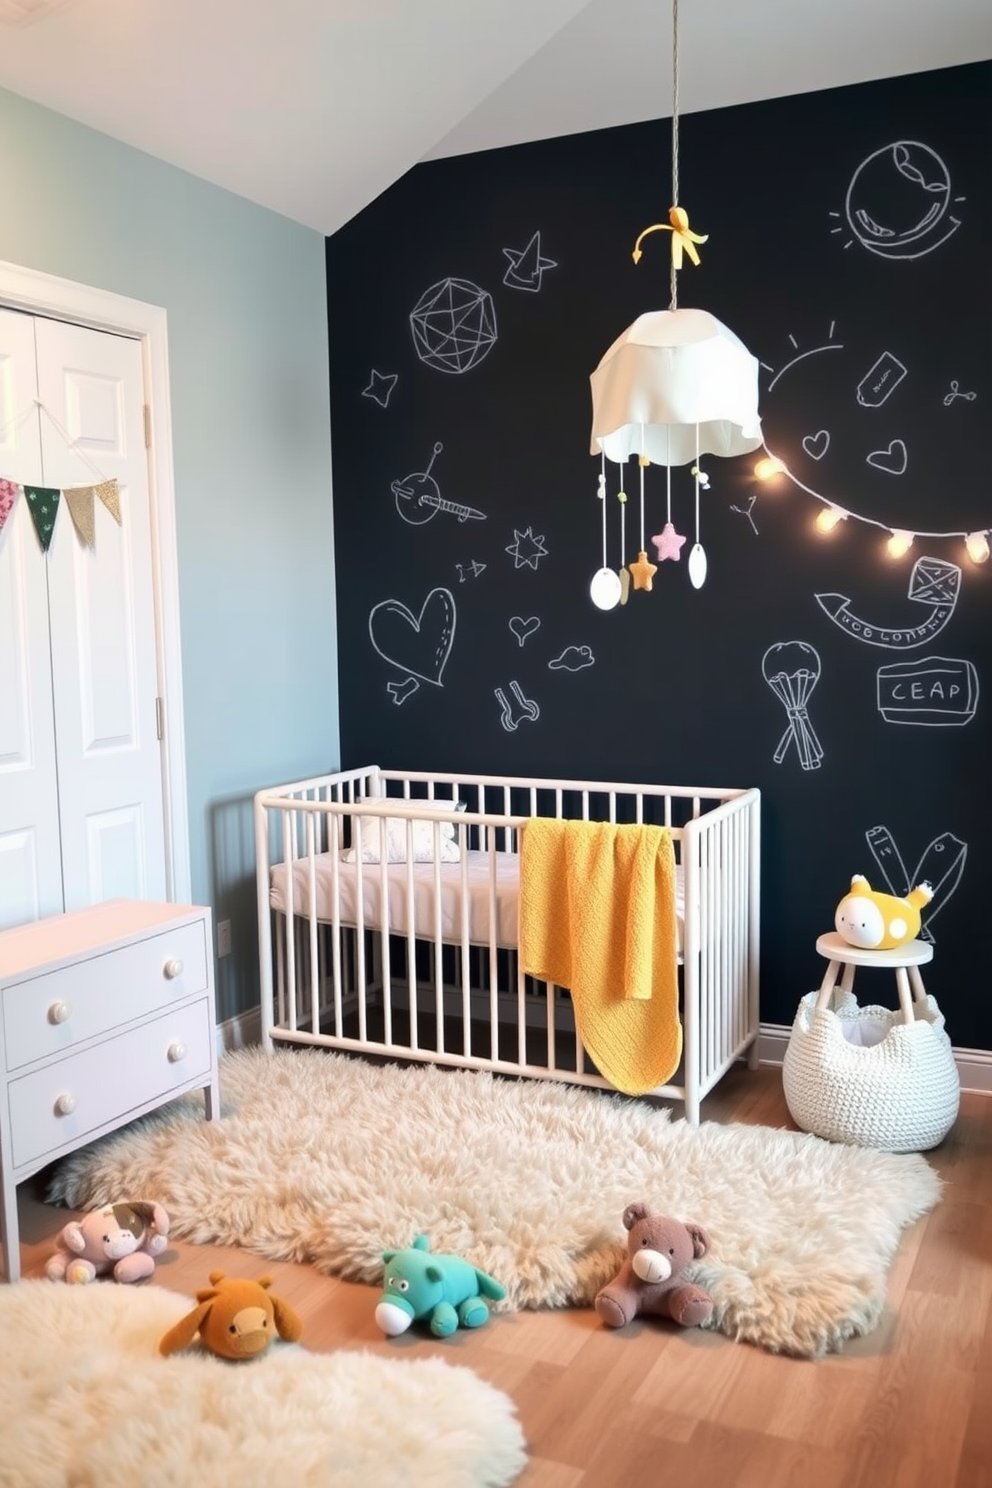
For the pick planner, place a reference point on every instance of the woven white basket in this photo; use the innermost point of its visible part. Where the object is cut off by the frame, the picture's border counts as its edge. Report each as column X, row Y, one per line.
column 900, row 1094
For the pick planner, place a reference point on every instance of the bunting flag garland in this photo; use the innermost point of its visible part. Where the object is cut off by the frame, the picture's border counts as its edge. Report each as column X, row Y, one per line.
column 109, row 493
column 79, row 500
column 43, row 501
column 8, row 490
column 44, row 504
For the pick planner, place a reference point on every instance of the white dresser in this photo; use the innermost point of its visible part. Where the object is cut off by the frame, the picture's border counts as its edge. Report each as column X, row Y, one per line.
column 105, row 1013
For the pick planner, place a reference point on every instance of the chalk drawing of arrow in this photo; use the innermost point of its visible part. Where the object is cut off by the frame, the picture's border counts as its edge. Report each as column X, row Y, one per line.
column 837, row 607
column 933, row 582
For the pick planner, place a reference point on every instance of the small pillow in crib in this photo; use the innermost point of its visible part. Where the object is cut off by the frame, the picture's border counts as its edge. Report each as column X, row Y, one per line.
column 370, row 829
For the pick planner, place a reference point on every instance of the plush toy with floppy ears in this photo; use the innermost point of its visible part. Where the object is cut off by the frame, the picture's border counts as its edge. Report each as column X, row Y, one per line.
column 658, row 1250
column 443, row 1290
column 121, row 1240
column 235, row 1318
column 880, row 922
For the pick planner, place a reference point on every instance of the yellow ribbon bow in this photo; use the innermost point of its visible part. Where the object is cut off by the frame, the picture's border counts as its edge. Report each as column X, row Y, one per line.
column 682, row 237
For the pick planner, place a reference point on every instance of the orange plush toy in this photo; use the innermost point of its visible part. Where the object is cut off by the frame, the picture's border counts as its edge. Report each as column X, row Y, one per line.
column 235, row 1318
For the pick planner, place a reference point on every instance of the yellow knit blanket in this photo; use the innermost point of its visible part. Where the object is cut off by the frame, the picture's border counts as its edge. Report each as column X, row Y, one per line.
column 597, row 915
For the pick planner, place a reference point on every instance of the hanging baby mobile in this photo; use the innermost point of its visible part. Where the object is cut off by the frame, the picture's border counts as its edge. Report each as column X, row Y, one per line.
column 44, row 501
column 676, row 385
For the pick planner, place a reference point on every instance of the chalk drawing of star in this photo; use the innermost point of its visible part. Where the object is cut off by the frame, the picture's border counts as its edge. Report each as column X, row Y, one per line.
column 527, row 266
column 526, row 549
column 380, row 387
column 669, row 543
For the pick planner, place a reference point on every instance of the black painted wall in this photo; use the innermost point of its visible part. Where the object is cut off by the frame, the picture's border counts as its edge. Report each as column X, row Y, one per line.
column 849, row 249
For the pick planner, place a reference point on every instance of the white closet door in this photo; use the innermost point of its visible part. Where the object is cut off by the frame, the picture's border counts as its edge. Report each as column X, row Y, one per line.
column 102, row 620
column 30, row 856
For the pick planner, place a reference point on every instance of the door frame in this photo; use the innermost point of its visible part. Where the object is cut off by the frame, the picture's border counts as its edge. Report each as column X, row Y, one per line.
column 63, row 299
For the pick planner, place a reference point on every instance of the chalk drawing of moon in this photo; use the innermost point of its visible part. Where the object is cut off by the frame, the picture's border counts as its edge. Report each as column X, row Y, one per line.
column 898, row 202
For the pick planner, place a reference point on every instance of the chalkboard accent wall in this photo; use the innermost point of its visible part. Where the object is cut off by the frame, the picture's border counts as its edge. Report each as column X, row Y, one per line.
column 849, row 235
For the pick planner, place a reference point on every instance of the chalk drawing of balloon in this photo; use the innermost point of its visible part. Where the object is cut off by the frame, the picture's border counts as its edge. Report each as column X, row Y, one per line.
column 898, row 203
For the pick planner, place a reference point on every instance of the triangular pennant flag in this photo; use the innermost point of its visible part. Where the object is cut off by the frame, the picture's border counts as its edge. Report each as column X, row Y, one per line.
column 44, row 504
column 8, row 491
column 109, row 494
column 80, row 503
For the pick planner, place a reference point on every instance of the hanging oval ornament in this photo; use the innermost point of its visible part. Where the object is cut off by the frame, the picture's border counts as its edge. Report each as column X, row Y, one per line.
column 605, row 589
column 697, row 566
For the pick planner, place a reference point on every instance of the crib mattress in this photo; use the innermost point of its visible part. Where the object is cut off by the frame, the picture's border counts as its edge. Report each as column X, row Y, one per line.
column 485, row 901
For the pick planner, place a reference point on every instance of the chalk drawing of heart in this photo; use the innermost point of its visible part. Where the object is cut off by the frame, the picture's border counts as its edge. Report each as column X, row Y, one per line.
column 523, row 628
column 816, row 445
column 417, row 644
column 892, row 460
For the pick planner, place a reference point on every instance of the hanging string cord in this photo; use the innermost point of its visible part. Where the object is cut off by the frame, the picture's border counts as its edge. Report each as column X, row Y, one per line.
column 17, row 419
column 70, row 442
column 641, row 467
column 697, row 482
column 602, row 497
column 668, row 467
column 675, row 133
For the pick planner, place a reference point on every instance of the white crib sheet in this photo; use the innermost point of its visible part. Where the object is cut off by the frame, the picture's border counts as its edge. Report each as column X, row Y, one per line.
column 478, row 882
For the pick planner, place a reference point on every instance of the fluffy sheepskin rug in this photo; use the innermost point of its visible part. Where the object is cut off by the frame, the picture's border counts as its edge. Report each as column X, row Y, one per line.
column 320, row 1157
column 85, row 1398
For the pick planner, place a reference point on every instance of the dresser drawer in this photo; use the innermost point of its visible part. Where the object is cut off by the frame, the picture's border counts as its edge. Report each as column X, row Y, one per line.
column 57, row 1010
column 105, row 1083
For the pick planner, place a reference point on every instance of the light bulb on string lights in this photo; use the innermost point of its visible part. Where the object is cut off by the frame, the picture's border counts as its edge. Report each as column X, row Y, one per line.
column 829, row 518
column 768, row 467
column 900, row 543
column 977, row 544
column 676, row 384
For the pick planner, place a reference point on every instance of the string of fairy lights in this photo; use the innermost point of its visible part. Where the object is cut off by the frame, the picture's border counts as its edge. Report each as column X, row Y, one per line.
column 900, row 539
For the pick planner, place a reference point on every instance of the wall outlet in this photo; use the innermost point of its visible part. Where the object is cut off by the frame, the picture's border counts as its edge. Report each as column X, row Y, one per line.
column 223, row 937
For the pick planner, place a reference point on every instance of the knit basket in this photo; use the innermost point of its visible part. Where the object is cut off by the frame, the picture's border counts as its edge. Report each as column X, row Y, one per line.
column 869, row 1076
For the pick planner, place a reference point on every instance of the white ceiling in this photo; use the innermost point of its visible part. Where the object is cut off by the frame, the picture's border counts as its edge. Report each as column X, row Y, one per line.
column 313, row 107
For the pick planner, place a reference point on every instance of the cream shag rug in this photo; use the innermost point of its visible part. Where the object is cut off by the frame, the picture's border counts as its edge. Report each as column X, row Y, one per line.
column 324, row 1158
column 86, row 1399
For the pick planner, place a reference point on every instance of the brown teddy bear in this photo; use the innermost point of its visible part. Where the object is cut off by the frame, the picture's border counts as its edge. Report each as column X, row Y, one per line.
column 650, row 1281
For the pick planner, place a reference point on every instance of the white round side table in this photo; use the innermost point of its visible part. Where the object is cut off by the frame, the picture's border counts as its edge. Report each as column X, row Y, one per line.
column 904, row 960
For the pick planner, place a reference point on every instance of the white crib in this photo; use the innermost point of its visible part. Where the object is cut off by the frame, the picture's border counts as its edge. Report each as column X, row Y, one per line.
column 436, row 977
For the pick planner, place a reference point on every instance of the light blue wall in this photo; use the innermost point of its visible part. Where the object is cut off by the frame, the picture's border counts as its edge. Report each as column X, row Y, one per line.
column 245, row 292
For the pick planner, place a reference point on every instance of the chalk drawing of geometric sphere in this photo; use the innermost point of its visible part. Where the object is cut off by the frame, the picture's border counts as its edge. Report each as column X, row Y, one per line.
column 453, row 325
column 897, row 202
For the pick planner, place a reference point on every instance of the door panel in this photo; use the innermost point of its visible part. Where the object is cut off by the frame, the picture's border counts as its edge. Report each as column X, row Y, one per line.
column 102, row 616
column 30, row 855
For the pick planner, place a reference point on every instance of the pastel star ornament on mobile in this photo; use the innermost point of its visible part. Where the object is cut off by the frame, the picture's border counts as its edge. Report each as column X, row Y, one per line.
column 668, row 543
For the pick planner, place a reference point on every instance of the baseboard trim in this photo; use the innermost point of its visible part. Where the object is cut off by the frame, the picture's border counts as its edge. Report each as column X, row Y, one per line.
column 974, row 1065
column 240, row 1031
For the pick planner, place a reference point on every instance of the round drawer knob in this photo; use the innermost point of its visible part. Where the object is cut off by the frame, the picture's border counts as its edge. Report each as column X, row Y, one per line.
column 177, row 1051
column 65, row 1105
column 173, row 968
column 60, row 1012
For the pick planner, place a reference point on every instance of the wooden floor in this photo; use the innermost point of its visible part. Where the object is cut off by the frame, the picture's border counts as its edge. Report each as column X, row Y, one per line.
column 910, row 1406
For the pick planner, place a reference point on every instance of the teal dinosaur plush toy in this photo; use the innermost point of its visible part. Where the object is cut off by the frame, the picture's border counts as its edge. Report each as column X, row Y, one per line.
column 444, row 1290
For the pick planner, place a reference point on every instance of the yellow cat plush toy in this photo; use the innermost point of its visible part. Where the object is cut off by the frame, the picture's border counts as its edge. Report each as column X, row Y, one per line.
column 880, row 922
